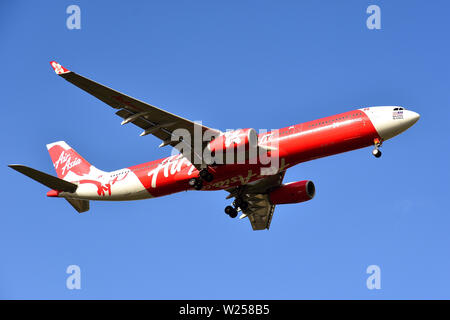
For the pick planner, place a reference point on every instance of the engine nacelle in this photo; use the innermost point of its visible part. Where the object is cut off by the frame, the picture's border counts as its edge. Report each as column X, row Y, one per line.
column 239, row 142
column 293, row 192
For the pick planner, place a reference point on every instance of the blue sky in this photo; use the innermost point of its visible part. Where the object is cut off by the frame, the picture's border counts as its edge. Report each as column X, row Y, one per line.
column 234, row 64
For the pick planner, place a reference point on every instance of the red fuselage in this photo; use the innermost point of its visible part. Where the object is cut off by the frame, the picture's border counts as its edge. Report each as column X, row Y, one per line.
column 298, row 143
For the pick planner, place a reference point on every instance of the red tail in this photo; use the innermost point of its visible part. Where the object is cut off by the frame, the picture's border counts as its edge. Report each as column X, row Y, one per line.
column 69, row 165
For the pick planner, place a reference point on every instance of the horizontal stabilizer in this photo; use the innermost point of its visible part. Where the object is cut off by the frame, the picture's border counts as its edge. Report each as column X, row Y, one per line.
column 44, row 178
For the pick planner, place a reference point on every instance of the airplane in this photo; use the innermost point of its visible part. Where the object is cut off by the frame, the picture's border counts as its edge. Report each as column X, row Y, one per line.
column 256, row 192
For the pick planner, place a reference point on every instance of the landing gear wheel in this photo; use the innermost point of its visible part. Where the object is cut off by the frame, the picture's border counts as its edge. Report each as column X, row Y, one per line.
column 209, row 177
column 239, row 203
column 232, row 212
column 244, row 205
column 228, row 209
column 198, row 185
column 192, row 182
column 376, row 153
column 203, row 173
column 206, row 175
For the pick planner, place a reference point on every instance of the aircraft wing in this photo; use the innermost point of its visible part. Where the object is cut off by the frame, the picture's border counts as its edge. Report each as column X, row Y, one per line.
column 260, row 210
column 151, row 119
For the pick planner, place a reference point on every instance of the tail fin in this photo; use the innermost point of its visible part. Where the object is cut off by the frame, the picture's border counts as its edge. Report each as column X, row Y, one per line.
column 69, row 165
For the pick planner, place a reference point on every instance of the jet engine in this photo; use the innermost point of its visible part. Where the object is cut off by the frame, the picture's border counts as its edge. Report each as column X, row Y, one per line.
column 293, row 192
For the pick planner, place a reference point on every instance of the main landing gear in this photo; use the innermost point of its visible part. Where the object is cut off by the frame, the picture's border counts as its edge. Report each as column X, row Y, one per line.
column 238, row 204
column 232, row 212
column 376, row 151
column 204, row 175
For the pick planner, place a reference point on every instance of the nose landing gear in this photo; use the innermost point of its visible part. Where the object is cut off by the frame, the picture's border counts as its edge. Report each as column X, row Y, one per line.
column 376, row 151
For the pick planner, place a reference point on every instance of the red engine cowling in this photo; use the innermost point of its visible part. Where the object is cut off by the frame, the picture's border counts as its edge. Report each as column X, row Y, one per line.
column 293, row 192
column 238, row 141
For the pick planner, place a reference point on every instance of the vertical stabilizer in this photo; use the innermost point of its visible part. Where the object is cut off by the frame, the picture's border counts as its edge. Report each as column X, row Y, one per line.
column 69, row 165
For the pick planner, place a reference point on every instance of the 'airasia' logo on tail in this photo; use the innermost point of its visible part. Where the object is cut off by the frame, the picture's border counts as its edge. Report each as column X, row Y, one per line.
column 65, row 160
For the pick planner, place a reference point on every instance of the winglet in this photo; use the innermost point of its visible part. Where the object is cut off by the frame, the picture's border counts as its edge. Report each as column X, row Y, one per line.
column 59, row 69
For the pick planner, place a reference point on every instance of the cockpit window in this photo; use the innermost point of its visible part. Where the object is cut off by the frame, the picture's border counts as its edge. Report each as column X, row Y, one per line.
column 398, row 109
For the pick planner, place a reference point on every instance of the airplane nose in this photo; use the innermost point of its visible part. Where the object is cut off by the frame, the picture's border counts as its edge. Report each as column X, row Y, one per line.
column 390, row 121
column 411, row 118
column 414, row 116
column 400, row 125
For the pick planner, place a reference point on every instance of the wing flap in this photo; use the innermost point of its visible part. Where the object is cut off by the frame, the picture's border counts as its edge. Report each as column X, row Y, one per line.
column 260, row 210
